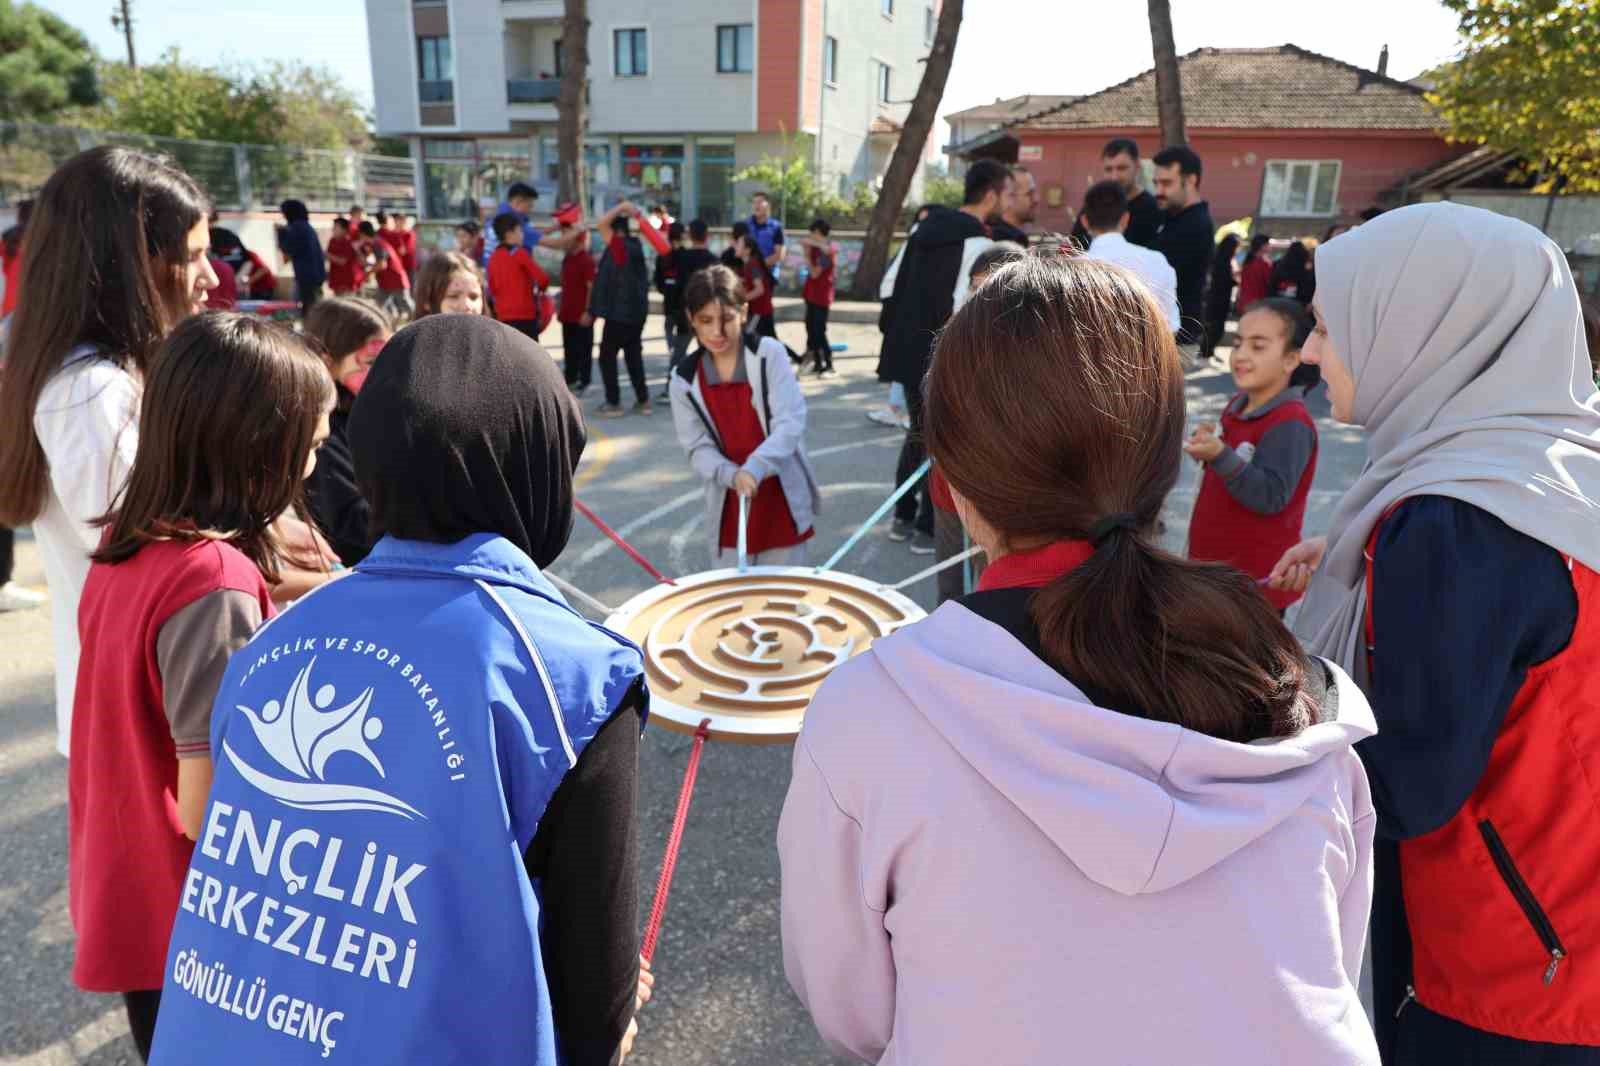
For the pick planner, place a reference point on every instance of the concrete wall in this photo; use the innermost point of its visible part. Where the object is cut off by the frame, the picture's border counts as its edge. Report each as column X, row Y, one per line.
column 1373, row 161
column 477, row 40
column 394, row 65
column 683, row 90
column 865, row 36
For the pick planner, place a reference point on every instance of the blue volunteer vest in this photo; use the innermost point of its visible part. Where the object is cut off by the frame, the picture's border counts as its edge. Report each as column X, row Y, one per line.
column 384, row 752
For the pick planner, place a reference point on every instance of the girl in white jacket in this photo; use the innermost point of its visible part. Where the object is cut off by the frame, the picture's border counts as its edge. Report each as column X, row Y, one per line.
column 741, row 417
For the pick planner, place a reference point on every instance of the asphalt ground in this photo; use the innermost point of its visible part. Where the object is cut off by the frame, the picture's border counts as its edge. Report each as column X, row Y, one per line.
column 721, row 997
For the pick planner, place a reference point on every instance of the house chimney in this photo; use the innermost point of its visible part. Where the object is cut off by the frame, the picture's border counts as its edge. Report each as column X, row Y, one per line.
column 1383, row 62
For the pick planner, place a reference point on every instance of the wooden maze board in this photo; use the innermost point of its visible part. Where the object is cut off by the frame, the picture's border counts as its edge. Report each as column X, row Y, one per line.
column 749, row 650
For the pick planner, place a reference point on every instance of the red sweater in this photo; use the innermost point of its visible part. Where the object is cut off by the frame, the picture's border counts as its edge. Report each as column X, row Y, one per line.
column 127, row 851
column 513, row 277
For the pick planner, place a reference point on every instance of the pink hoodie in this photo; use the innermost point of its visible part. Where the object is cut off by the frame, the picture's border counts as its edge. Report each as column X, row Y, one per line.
column 982, row 868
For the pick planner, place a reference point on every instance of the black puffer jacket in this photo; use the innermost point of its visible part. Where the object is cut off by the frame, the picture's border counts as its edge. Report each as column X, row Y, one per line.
column 622, row 293
column 938, row 255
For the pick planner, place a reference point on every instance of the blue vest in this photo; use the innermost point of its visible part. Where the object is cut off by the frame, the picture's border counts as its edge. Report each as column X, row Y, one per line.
column 384, row 751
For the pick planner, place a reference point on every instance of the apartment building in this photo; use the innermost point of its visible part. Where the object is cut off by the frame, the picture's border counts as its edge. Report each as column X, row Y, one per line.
column 681, row 95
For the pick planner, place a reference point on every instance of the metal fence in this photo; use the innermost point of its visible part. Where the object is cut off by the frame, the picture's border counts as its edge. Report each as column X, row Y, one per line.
column 237, row 176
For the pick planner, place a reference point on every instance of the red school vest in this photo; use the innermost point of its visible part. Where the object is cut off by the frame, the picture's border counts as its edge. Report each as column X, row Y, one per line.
column 1501, row 900
column 127, row 852
column 1223, row 530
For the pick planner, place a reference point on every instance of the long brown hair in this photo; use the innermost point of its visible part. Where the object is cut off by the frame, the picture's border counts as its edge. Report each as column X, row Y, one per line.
column 433, row 280
column 105, row 268
column 230, row 411
column 1056, row 399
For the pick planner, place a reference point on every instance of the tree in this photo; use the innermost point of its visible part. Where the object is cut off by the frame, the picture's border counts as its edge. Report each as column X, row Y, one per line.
column 1169, row 86
column 1525, row 82
column 572, row 109
column 908, row 153
column 46, row 66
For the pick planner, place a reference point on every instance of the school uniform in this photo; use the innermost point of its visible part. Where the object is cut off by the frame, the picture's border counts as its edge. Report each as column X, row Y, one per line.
column 1252, row 499
column 514, row 284
column 818, row 294
column 394, row 284
column 157, row 630
column 577, row 339
column 755, row 422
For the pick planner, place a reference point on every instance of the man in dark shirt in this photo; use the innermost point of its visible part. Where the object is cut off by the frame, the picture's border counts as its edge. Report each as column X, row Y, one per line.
column 1119, row 162
column 1187, row 236
column 1016, row 210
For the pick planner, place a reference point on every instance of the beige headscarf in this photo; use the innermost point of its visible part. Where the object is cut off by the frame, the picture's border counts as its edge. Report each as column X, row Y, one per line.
column 1463, row 333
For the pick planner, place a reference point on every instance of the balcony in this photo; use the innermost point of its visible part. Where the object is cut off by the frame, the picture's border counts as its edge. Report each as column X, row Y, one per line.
column 533, row 90
column 436, row 92
column 532, row 10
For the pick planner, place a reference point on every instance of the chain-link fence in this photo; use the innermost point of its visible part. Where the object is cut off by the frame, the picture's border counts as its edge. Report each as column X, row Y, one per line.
column 236, row 176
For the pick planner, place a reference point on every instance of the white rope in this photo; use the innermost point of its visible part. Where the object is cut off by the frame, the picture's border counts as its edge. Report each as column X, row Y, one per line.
column 573, row 592
column 954, row 560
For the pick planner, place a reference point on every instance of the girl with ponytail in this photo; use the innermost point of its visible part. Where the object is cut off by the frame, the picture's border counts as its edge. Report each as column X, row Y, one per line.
column 1103, row 802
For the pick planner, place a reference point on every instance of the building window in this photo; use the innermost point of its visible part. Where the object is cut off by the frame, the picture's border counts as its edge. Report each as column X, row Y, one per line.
column 736, row 49
column 561, row 60
column 929, row 21
column 1300, row 188
column 888, row 8
column 631, row 52
column 883, row 83
column 435, row 71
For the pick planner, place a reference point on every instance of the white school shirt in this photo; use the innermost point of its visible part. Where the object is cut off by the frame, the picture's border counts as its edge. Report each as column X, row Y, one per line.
column 87, row 421
column 1151, row 267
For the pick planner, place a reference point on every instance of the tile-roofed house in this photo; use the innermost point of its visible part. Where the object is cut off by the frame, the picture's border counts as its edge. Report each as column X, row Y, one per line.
column 1291, row 138
column 976, row 121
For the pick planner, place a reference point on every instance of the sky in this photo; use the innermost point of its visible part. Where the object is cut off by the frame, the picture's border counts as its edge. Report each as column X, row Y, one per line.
column 1006, row 48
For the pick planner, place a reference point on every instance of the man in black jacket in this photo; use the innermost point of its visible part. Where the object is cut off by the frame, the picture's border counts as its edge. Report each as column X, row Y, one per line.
column 1016, row 211
column 931, row 280
column 1119, row 162
column 1187, row 236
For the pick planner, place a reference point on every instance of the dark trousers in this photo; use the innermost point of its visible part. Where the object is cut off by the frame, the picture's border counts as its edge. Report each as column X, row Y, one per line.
column 817, row 334
column 577, row 347
column 915, row 507
column 528, row 327
column 8, row 553
column 1216, row 326
column 142, row 1008
column 767, row 326
column 628, row 338
column 309, row 295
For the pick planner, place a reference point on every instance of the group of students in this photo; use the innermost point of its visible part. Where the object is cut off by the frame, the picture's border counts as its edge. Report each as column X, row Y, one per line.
column 398, row 822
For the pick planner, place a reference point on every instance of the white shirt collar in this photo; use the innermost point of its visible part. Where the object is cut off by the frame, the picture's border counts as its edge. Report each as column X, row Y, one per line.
column 1112, row 238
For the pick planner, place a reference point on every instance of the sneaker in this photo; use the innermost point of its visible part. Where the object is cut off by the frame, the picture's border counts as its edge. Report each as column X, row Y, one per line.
column 610, row 410
column 643, row 408
column 13, row 597
column 883, row 416
column 666, row 394
column 900, row 531
column 922, row 544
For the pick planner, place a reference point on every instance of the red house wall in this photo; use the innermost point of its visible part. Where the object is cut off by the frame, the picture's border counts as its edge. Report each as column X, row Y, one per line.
column 1374, row 160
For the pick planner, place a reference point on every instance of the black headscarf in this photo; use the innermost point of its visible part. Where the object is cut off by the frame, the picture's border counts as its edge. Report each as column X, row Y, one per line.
column 465, row 426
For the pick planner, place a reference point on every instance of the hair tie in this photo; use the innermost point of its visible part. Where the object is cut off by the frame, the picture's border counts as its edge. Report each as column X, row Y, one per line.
column 1110, row 524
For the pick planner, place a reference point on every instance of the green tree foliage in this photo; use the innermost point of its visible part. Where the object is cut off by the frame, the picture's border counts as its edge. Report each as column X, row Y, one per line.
column 943, row 189
column 283, row 103
column 46, row 65
column 796, row 191
column 1528, row 81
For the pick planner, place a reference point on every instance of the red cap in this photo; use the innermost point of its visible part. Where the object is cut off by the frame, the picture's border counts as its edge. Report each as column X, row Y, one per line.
column 568, row 214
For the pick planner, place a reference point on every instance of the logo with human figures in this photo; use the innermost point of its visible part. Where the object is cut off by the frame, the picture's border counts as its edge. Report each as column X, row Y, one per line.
column 302, row 734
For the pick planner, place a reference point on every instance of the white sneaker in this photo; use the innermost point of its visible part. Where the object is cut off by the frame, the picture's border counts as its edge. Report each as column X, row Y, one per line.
column 883, row 416
column 13, row 597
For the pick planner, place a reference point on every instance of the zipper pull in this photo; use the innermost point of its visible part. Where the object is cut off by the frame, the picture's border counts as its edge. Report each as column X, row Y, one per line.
column 1556, row 955
column 1411, row 994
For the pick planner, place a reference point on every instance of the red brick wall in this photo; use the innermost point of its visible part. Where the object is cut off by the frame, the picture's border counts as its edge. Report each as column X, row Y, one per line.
column 1234, row 161
column 811, row 66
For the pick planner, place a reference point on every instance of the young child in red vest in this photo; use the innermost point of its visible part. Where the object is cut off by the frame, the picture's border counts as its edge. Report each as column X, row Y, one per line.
column 821, row 256
column 516, row 282
column 1258, row 475
column 234, row 408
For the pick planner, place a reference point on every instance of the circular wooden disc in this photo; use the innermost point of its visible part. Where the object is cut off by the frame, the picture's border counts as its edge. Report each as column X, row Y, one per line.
column 747, row 651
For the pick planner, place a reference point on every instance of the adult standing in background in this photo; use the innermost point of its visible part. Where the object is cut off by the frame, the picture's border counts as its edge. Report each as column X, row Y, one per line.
column 1457, row 584
column 1021, row 201
column 766, row 231
column 1187, row 236
column 1119, row 162
column 299, row 244
column 520, row 198
column 1219, row 294
column 930, row 282
column 1106, row 217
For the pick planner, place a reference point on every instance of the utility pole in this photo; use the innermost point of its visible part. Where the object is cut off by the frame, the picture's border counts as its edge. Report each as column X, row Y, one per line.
column 122, row 19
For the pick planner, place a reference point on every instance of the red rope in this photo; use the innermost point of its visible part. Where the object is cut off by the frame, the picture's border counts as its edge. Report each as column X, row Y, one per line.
column 669, row 860
column 616, row 538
